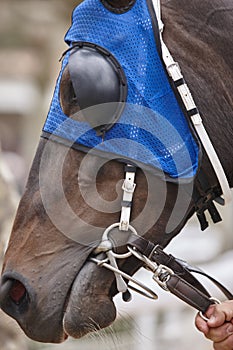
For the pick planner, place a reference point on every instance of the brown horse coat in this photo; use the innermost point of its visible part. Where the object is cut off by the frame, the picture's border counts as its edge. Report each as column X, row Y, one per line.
column 52, row 281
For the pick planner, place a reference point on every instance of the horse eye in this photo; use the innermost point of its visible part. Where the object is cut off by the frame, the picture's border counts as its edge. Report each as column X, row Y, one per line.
column 68, row 99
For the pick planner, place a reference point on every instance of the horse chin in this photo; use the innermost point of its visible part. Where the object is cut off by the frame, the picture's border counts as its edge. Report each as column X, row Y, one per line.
column 89, row 306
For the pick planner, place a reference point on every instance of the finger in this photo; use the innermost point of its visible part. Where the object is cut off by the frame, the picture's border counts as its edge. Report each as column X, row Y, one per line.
column 218, row 314
column 226, row 344
column 221, row 333
column 213, row 317
column 201, row 324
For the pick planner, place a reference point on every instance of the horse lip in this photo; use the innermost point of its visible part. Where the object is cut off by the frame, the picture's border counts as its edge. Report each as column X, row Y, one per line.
column 88, row 307
column 66, row 302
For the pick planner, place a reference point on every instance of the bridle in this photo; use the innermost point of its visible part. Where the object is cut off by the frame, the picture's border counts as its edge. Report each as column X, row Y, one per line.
column 170, row 273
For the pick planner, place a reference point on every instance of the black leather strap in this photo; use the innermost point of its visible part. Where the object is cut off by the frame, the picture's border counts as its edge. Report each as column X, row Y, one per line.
column 188, row 293
column 203, row 196
column 181, row 283
column 160, row 257
column 219, row 285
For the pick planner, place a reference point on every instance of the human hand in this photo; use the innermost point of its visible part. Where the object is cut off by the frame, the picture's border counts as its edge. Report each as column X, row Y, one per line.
column 219, row 327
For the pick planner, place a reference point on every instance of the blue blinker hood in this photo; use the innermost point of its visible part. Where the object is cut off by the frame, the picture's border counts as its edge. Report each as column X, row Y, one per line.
column 147, row 126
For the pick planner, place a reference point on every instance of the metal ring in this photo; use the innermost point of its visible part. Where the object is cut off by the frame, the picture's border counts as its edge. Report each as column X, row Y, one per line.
column 105, row 238
column 216, row 301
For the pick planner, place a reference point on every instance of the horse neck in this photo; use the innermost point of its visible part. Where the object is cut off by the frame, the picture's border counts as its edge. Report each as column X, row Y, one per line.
column 208, row 20
column 203, row 46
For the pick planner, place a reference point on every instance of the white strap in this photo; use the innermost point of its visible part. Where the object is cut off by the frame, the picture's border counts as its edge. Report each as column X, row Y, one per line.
column 174, row 71
column 128, row 188
column 157, row 9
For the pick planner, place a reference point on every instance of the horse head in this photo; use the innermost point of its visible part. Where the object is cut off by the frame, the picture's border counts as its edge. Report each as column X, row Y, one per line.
column 70, row 199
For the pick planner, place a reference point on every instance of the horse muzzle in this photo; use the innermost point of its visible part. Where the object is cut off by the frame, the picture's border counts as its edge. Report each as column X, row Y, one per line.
column 84, row 306
column 19, row 300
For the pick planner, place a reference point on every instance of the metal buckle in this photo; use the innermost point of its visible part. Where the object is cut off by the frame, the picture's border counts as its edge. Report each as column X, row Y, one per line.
column 162, row 276
column 161, row 272
column 128, row 186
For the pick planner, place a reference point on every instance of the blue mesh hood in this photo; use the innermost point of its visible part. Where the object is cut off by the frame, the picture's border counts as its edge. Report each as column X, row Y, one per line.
column 152, row 130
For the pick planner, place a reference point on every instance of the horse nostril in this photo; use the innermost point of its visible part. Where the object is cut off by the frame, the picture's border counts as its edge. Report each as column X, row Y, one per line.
column 4, row 290
column 17, row 292
column 13, row 290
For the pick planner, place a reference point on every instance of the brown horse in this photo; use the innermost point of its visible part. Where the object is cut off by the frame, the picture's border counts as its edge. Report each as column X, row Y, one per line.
column 48, row 284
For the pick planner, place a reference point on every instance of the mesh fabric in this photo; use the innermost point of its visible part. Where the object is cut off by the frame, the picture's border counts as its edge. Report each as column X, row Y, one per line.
column 152, row 129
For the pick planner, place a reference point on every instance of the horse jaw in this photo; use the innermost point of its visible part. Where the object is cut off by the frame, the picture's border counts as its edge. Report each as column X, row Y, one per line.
column 89, row 306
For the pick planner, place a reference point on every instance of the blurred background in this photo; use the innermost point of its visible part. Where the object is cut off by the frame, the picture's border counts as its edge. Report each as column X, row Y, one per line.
column 31, row 43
